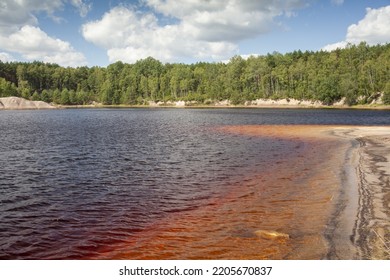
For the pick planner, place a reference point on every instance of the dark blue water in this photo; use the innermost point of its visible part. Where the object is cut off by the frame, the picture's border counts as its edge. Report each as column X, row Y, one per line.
column 75, row 181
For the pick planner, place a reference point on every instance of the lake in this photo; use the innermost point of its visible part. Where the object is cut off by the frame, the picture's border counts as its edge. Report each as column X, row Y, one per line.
column 150, row 183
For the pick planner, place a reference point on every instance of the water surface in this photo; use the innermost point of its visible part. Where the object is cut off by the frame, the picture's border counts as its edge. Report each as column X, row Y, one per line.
column 108, row 183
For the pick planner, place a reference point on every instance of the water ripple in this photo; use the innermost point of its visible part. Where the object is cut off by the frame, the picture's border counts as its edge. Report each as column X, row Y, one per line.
column 76, row 184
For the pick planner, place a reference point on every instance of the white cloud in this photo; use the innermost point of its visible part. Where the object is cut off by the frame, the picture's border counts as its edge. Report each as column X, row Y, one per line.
column 373, row 29
column 20, row 34
column 14, row 14
column 129, row 36
column 118, row 28
column 4, row 57
column 335, row 46
column 34, row 44
column 207, row 29
column 229, row 20
column 17, row 13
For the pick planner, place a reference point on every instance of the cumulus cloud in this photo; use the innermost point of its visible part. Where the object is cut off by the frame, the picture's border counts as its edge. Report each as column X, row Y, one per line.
column 207, row 29
column 19, row 31
column 14, row 14
column 335, row 46
column 34, row 44
column 374, row 29
column 218, row 20
column 129, row 36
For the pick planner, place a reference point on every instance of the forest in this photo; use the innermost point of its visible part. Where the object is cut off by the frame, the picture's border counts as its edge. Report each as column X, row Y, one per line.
column 357, row 73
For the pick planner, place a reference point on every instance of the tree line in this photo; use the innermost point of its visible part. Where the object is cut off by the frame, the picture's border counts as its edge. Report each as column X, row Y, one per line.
column 357, row 73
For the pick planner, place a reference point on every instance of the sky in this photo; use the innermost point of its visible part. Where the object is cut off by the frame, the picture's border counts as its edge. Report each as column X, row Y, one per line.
column 97, row 33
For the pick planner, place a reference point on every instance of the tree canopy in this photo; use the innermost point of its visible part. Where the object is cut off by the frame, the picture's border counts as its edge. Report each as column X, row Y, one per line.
column 358, row 73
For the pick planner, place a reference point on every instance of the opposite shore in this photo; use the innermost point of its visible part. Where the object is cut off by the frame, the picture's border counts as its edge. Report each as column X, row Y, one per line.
column 18, row 103
column 258, row 103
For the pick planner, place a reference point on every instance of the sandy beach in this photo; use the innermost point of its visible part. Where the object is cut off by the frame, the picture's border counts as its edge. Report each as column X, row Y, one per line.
column 362, row 218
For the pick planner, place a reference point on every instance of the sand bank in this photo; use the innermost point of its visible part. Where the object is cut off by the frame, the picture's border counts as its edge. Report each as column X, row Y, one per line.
column 17, row 103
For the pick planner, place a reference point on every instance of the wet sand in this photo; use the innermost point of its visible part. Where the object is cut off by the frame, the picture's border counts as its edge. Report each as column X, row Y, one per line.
column 365, row 215
column 329, row 200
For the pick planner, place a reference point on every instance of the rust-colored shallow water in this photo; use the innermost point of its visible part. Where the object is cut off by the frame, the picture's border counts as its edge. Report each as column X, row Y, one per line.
column 293, row 197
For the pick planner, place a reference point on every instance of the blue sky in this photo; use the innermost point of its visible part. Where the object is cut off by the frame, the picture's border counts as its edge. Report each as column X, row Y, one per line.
column 86, row 32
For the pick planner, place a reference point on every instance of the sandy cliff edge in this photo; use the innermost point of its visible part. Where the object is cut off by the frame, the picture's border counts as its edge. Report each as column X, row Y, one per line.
column 12, row 103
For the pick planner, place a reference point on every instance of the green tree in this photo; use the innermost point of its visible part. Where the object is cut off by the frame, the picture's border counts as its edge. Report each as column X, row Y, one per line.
column 107, row 92
column 65, row 99
column 46, row 95
column 35, row 96
column 7, row 88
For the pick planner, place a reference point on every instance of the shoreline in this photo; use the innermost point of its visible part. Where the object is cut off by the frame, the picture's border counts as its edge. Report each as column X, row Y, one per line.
column 202, row 106
column 372, row 229
column 359, row 227
column 18, row 103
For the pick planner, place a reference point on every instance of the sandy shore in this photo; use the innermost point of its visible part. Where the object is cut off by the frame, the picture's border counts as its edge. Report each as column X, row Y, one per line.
column 361, row 222
column 225, row 106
